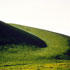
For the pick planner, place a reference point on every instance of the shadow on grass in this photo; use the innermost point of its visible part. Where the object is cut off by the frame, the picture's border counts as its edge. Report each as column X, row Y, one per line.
column 12, row 65
column 13, row 35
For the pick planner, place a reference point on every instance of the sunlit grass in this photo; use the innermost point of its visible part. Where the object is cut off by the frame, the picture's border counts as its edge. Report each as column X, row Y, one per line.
column 47, row 66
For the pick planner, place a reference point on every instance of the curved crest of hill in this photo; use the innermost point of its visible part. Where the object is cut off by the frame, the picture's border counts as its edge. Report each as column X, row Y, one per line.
column 13, row 35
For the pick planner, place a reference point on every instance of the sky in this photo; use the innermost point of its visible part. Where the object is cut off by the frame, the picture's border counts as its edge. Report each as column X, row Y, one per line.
column 52, row 15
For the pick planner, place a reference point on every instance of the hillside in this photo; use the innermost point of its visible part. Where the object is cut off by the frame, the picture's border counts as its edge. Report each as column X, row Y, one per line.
column 13, row 35
column 56, row 42
column 54, row 56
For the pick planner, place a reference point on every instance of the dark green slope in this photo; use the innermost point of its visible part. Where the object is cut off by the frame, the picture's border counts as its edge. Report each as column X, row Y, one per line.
column 13, row 35
column 58, row 46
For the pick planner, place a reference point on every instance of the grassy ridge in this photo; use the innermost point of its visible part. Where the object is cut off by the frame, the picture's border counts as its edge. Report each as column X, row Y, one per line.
column 13, row 35
column 56, row 42
column 19, row 57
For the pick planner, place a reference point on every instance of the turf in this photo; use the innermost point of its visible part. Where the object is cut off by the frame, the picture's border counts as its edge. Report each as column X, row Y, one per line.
column 19, row 57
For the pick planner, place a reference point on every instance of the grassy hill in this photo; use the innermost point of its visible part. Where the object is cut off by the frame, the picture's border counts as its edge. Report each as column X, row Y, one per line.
column 56, row 56
column 13, row 35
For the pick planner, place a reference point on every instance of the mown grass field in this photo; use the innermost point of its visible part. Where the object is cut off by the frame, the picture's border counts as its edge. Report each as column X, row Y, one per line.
column 56, row 56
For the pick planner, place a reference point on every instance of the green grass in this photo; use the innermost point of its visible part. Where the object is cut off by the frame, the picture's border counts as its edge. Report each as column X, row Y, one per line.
column 21, row 56
column 48, row 66
column 57, row 44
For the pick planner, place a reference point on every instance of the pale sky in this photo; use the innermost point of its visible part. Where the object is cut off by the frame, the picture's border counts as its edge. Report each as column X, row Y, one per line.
column 52, row 15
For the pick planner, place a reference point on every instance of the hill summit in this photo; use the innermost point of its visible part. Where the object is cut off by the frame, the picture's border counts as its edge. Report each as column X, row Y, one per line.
column 12, row 35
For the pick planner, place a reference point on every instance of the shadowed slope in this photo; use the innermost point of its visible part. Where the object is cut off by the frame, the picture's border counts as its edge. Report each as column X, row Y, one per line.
column 12, row 35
